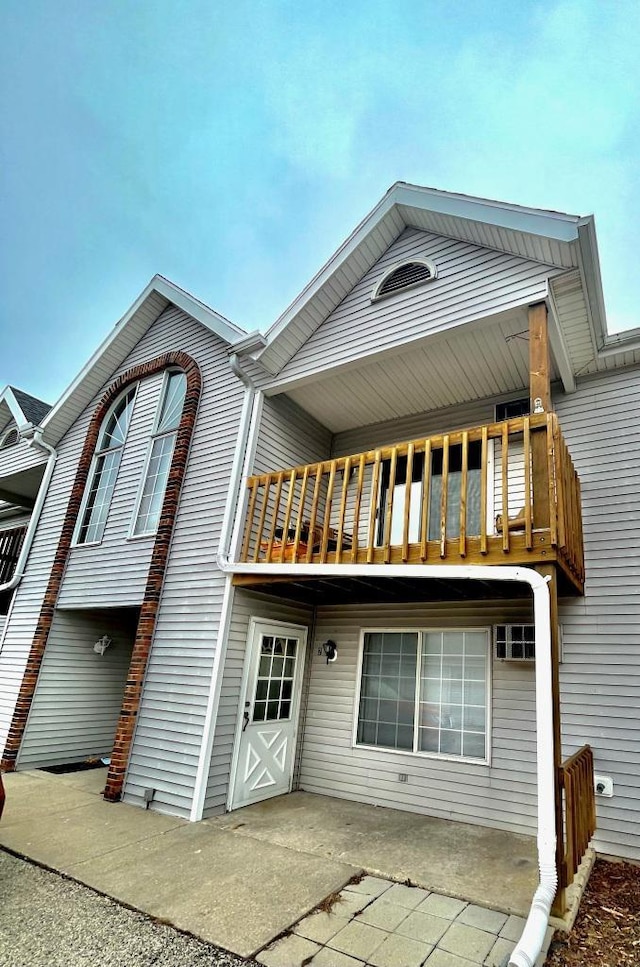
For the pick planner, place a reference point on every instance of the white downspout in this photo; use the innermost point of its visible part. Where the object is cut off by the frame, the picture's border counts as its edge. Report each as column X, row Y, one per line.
column 21, row 563
column 529, row 946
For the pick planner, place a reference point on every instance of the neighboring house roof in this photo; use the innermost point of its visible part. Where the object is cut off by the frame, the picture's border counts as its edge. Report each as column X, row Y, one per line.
column 34, row 410
column 150, row 304
column 20, row 408
column 555, row 238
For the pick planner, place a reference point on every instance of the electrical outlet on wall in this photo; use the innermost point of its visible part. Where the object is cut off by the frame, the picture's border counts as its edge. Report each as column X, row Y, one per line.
column 603, row 785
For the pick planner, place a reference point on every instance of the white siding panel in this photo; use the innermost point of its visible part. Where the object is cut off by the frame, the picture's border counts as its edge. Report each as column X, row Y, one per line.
column 472, row 282
column 501, row 795
column 170, row 722
column 79, row 693
column 600, row 675
column 246, row 605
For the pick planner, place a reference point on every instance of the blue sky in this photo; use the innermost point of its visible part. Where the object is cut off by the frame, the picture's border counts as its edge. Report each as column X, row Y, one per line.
column 233, row 146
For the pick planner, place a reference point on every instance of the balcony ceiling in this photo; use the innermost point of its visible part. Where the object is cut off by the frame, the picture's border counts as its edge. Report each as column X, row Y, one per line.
column 488, row 359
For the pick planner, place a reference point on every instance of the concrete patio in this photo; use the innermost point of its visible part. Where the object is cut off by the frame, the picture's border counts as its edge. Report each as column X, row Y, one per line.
column 245, row 879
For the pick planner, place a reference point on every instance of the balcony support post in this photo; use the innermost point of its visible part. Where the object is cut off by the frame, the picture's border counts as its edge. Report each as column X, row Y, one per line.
column 549, row 571
column 540, row 394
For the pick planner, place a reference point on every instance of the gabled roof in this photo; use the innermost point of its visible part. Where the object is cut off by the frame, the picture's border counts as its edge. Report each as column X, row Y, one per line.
column 150, row 304
column 21, row 408
column 555, row 238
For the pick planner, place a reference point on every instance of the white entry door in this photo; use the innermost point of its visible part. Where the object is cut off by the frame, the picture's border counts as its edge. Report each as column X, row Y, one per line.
column 271, row 704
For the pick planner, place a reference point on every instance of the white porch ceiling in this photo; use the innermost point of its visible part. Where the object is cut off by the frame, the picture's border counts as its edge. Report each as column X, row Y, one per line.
column 473, row 363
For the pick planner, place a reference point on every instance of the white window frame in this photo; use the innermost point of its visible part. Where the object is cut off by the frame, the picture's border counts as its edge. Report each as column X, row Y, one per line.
column 383, row 750
column 75, row 542
column 154, row 435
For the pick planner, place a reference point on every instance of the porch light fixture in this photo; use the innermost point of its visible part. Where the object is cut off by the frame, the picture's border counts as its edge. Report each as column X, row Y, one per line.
column 537, row 405
column 102, row 644
column 330, row 649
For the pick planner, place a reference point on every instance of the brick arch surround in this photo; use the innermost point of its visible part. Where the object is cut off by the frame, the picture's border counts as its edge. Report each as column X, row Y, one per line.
column 155, row 576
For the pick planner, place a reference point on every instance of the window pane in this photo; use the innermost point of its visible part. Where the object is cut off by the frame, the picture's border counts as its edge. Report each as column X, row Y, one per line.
column 115, row 429
column 387, row 694
column 155, row 484
column 100, row 493
column 175, row 389
column 453, row 694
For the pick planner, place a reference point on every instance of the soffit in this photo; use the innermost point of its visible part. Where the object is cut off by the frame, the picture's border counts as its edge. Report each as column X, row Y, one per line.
column 476, row 362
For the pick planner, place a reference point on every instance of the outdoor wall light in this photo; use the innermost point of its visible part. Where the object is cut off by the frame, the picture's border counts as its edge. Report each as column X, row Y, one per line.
column 330, row 649
column 537, row 405
column 102, row 644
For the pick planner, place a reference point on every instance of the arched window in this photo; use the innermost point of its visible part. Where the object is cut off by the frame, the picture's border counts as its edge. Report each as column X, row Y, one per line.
column 104, row 470
column 163, row 441
column 406, row 275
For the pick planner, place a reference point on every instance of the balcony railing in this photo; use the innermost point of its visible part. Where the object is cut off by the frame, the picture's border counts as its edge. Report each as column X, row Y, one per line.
column 10, row 546
column 503, row 493
column 580, row 810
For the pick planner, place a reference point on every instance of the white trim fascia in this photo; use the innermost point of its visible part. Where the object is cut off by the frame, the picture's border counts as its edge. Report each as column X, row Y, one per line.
column 589, row 268
column 558, row 226
column 558, row 345
column 158, row 286
column 15, row 409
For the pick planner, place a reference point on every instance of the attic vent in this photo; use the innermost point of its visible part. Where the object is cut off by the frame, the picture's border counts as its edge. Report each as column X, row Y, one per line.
column 405, row 276
column 9, row 438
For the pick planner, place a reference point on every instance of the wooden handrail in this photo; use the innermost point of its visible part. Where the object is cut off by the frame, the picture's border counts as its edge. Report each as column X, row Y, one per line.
column 469, row 495
column 576, row 775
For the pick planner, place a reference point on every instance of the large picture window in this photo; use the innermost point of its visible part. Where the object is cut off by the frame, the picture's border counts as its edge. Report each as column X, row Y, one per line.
column 104, row 470
column 425, row 692
column 162, row 444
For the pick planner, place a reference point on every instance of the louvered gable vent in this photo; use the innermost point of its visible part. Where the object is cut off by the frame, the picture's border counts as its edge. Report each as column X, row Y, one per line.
column 405, row 276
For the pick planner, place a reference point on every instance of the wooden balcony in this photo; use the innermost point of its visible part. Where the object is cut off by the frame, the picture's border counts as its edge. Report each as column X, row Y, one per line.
column 10, row 546
column 506, row 493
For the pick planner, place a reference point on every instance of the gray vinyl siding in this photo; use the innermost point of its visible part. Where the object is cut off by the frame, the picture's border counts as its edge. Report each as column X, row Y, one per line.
column 288, row 437
column 245, row 606
column 171, row 717
column 170, row 722
column 20, row 519
column 89, row 578
column 472, row 283
column 19, row 457
column 78, row 697
column 501, row 795
column 600, row 675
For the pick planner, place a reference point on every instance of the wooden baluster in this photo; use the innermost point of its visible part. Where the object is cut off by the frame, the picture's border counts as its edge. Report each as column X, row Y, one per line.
column 263, row 516
column 570, row 808
column 303, row 495
column 407, row 503
column 276, row 511
column 314, row 511
column 356, row 510
column 528, row 496
column 444, row 495
column 462, row 542
column 426, row 494
column 327, row 514
column 484, row 493
column 389, row 511
column 248, row 527
column 346, row 471
column 373, row 505
column 287, row 514
column 559, row 470
column 553, row 506
column 505, row 487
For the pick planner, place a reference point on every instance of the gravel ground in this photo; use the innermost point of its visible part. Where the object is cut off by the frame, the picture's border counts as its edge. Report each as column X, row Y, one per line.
column 607, row 929
column 49, row 921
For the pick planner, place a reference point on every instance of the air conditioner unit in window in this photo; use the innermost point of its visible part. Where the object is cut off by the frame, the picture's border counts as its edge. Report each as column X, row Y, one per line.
column 515, row 642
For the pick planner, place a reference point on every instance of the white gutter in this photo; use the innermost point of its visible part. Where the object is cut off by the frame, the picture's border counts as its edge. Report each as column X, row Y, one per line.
column 529, row 946
column 36, row 440
column 249, row 419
